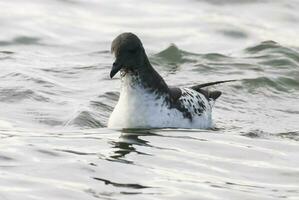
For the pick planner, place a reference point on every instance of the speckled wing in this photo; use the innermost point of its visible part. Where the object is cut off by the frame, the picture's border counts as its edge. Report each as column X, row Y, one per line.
column 176, row 93
column 193, row 102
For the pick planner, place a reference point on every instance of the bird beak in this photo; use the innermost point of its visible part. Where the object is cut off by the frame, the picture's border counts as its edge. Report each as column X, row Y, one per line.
column 115, row 68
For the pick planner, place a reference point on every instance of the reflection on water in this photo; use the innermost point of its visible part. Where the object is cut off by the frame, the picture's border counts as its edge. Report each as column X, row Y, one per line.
column 128, row 139
column 126, row 185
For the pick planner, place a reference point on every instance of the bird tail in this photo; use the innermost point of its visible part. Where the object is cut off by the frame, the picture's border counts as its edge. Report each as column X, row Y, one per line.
column 213, row 95
column 196, row 87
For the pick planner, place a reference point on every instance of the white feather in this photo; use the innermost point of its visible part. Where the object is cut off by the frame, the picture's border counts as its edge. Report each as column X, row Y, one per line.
column 139, row 108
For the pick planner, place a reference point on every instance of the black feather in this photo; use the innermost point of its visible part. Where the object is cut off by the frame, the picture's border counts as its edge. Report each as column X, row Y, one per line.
column 196, row 87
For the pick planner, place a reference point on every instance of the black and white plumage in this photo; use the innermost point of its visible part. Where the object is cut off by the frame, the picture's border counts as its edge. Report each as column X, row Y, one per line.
column 146, row 101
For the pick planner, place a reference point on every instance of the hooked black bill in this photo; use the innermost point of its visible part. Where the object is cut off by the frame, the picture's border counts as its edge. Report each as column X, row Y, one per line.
column 115, row 68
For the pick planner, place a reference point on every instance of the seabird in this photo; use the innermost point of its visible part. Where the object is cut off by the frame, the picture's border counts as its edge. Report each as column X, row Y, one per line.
column 146, row 101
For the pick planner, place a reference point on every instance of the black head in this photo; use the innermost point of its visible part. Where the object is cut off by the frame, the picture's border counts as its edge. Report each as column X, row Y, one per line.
column 129, row 53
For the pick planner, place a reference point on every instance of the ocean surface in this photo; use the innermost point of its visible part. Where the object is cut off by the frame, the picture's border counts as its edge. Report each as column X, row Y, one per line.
column 56, row 97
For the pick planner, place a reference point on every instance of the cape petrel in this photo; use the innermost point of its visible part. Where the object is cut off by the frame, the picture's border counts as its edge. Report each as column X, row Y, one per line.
column 146, row 101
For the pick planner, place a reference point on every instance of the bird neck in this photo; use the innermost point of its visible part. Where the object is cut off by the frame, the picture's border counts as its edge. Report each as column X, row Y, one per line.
column 148, row 78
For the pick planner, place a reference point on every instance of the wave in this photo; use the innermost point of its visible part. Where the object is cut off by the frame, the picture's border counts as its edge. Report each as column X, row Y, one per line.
column 283, row 84
column 14, row 95
column 86, row 119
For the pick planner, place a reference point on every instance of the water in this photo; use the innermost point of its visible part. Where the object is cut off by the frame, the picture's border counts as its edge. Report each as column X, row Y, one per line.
column 56, row 97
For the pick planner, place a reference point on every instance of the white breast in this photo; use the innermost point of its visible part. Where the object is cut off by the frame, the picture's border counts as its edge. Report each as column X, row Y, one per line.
column 139, row 108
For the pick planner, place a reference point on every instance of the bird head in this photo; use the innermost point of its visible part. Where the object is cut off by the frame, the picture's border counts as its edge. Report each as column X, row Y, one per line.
column 129, row 53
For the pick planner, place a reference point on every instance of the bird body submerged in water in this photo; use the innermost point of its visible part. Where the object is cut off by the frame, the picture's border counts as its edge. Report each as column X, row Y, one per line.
column 146, row 101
